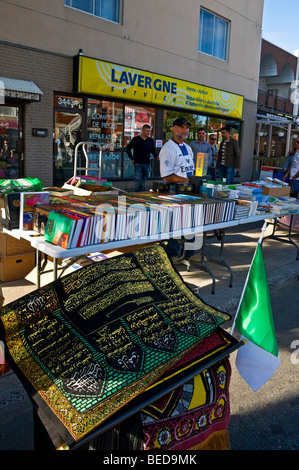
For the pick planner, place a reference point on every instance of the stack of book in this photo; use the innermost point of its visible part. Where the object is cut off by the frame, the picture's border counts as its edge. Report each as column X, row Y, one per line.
column 241, row 212
column 283, row 207
column 251, row 191
column 20, row 185
column 245, row 208
column 75, row 221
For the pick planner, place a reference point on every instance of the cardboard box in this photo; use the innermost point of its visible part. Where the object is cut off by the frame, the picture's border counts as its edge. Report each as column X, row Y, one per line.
column 16, row 267
column 280, row 191
column 12, row 246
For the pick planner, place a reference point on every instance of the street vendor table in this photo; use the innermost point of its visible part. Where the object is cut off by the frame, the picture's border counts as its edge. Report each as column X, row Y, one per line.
column 221, row 365
column 57, row 253
column 287, row 238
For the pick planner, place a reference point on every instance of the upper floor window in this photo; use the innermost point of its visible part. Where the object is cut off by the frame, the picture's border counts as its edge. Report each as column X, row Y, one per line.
column 106, row 9
column 213, row 35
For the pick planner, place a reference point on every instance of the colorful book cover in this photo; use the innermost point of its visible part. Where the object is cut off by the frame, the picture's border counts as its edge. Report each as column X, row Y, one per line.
column 41, row 213
column 27, row 202
column 40, row 217
column 12, row 209
column 59, row 229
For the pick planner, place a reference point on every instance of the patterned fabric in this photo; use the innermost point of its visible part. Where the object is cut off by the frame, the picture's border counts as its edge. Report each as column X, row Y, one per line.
column 156, row 426
column 1, row 297
column 4, row 366
column 190, row 414
column 87, row 344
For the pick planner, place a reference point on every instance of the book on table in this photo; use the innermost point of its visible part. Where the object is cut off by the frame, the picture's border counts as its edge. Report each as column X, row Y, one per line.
column 59, row 230
column 28, row 200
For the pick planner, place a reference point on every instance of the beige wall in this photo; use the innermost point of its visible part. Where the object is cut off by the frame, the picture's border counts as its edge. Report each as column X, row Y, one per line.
column 159, row 36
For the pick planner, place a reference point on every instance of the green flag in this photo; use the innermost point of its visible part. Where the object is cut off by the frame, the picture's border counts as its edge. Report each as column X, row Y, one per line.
column 254, row 318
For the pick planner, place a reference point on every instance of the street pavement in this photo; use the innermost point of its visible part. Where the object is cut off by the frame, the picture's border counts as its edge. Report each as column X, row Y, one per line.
column 269, row 418
column 264, row 420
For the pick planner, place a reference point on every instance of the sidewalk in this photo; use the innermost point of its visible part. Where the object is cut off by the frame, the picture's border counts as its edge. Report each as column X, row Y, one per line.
column 16, row 427
column 280, row 261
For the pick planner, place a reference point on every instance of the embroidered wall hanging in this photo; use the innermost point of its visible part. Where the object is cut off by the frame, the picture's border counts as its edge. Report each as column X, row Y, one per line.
column 87, row 344
column 187, row 408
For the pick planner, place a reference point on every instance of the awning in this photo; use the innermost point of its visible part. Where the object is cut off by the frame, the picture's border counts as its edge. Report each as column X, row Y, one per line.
column 20, row 89
column 277, row 120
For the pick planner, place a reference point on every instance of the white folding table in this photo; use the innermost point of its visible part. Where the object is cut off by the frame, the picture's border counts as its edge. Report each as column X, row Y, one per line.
column 56, row 252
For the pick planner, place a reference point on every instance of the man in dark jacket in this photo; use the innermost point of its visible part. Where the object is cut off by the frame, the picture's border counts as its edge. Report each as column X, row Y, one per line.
column 142, row 146
column 229, row 156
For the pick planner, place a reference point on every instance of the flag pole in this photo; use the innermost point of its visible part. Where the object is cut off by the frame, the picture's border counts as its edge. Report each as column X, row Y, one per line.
column 242, row 295
column 263, row 231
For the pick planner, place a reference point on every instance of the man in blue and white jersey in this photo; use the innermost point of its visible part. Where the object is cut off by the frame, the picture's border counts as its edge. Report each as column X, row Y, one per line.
column 176, row 157
column 293, row 172
column 176, row 166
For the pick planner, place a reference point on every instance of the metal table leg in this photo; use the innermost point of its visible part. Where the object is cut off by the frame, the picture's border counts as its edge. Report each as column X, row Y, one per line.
column 55, row 269
column 284, row 238
column 38, row 258
column 202, row 263
column 221, row 260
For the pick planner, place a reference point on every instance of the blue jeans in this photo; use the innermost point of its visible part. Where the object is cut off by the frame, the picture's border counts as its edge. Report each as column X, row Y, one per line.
column 142, row 172
column 212, row 173
column 295, row 188
column 227, row 172
column 175, row 249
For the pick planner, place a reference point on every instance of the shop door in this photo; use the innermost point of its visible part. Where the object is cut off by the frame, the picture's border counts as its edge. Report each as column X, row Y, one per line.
column 105, row 126
column 10, row 142
column 68, row 131
column 135, row 118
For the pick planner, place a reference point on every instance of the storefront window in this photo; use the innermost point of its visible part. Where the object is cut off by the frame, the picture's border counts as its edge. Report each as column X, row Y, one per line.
column 215, row 125
column 105, row 126
column 135, row 118
column 108, row 127
column 196, row 121
column 211, row 125
column 68, row 130
column 9, row 142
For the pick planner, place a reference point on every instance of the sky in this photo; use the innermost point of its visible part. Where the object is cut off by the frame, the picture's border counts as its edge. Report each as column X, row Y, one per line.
column 280, row 24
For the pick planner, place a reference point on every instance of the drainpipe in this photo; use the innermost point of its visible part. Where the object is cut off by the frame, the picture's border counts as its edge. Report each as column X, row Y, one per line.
column 269, row 141
column 288, row 138
column 295, row 107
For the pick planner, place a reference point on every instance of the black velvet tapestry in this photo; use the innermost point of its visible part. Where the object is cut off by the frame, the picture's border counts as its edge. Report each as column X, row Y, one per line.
column 87, row 344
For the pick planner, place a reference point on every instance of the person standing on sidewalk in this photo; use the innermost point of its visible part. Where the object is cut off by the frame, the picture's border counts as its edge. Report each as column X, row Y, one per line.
column 212, row 167
column 142, row 146
column 229, row 157
column 293, row 172
column 176, row 157
column 201, row 146
column 176, row 166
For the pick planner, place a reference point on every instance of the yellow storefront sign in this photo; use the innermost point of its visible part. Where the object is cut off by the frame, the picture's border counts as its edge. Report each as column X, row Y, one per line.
column 97, row 77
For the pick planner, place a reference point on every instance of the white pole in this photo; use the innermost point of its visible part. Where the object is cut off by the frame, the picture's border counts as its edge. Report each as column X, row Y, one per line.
column 295, row 103
column 242, row 295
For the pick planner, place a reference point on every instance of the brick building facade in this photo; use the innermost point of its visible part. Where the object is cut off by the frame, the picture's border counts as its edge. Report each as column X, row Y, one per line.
column 40, row 41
